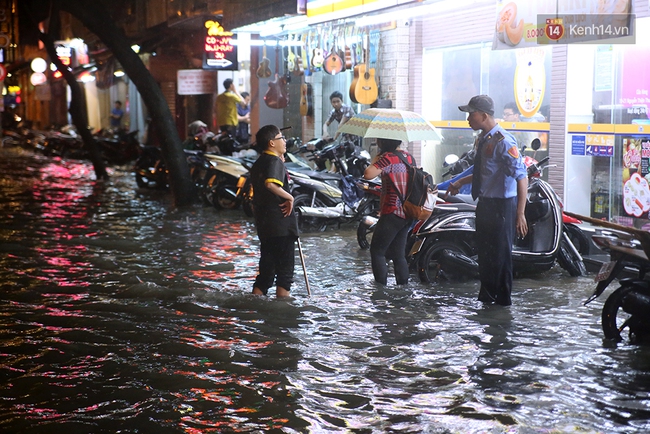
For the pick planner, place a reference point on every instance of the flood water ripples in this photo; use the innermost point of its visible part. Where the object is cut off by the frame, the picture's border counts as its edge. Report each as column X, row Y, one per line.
column 120, row 314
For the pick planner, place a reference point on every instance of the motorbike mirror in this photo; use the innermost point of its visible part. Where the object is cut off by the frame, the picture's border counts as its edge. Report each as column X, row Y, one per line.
column 536, row 144
column 450, row 159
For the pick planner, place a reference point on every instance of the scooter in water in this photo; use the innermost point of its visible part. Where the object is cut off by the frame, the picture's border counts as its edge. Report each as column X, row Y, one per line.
column 628, row 307
column 323, row 198
column 445, row 246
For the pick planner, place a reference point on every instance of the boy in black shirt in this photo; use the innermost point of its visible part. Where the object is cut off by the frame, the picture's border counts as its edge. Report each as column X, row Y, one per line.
column 275, row 219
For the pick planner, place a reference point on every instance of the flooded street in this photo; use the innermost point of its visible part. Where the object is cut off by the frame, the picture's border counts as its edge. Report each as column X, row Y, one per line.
column 122, row 315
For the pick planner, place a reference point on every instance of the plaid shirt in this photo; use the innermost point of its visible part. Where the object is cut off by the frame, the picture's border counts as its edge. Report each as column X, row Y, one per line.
column 393, row 174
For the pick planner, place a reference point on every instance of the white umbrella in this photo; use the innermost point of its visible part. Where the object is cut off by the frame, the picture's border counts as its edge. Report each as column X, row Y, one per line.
column 390, row 124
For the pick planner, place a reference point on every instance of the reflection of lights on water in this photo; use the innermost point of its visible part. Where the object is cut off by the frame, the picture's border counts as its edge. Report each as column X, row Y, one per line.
column 226, row 246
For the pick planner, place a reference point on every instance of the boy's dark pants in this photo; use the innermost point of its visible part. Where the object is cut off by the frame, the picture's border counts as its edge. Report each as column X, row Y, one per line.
column 277, row 258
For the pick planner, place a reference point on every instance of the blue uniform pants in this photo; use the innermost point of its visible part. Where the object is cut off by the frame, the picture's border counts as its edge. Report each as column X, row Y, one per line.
column 495, row 231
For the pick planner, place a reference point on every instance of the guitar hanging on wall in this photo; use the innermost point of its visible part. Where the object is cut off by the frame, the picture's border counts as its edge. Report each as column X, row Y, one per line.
column 363, row 89
column 276, row 96
column 333, row 64
column 264, row 71
column 306, row 102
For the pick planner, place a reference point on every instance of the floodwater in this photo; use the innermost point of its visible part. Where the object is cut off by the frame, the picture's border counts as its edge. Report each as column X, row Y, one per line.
column 119, row 314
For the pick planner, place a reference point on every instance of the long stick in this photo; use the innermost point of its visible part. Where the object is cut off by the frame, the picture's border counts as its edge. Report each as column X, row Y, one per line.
column 304, row 269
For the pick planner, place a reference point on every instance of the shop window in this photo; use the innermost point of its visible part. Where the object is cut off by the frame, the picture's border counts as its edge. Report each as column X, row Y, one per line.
column 518, row 79
column 609, row 109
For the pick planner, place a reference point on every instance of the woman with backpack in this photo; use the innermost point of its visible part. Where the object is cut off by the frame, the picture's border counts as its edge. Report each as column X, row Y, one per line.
column 389, row 238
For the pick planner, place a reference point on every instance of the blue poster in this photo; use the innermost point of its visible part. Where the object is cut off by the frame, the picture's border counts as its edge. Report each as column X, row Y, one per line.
column 578, row 145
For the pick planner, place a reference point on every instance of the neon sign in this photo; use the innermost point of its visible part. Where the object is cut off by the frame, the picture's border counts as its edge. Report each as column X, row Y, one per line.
column 219, row 51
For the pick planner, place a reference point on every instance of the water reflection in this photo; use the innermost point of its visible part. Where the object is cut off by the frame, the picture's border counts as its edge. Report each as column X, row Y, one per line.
column 121, row 314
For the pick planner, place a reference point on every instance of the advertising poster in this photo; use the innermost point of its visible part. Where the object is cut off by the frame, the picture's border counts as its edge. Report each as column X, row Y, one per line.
column 526, row 23
column 599, row 145
column 636, row 165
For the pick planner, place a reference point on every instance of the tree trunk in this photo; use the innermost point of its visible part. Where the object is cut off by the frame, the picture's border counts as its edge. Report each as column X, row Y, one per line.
column 97, row 19
column 77, row 109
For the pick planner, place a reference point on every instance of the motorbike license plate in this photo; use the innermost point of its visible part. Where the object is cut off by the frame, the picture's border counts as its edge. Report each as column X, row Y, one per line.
column 605, row 271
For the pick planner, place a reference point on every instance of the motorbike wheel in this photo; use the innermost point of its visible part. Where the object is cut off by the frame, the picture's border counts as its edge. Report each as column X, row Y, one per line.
column 144, row 182
column 431, row 268
column 567, row 260
column 225, row 199
column 309, row 224
column 247, row 206
column 364, row 235
column 578, row 238
column 615, row 319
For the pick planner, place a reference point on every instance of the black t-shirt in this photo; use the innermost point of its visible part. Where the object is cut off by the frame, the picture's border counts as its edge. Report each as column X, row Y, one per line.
column 268, row 215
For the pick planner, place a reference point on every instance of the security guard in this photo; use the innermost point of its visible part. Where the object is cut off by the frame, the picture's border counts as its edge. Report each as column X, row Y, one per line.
column 500, row 183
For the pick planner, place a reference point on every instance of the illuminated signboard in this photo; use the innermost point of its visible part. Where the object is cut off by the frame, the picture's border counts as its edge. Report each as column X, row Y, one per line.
column 320, row 7
column 218, row 50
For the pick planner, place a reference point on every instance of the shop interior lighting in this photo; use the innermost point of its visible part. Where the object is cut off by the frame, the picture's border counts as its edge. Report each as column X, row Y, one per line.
column 136, row 48
column 119, row 73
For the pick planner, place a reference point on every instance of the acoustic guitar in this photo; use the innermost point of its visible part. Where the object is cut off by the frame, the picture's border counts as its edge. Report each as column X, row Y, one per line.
column 276, row 96
column 264, row 71
column 306, row 101
column 317, row 56
column 333, row 64
column 363, row 89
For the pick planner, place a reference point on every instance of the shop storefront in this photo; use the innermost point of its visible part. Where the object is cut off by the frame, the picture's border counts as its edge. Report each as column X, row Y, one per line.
column 586, row 102
column 608, row 140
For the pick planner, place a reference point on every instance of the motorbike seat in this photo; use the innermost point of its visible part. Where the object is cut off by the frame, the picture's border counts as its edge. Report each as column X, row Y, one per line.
column 633, row 281
column 454, row 207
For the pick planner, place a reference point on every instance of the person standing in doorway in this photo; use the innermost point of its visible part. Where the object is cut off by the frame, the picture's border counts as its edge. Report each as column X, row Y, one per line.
column 340, row 113
column 389, row 238
column 244, row 118
column 116, row 116
column 500, row 183
column 275, row 219
column 226, row 107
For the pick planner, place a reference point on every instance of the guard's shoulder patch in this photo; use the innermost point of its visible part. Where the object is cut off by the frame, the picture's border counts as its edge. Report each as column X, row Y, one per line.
column 498, row 136
column 513, row 151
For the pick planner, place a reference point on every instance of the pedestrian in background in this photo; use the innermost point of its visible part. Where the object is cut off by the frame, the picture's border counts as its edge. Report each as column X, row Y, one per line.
column 340, row 113
column 389, row 238
column 226, row 107
column 275, row 219
column 116, row 116
column 244, row 118
column 500, row 183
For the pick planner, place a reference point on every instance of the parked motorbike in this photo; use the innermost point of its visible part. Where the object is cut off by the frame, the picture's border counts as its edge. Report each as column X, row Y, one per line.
column 444, row 245
column 323, row 197
column 64, row 143
column 118, row 147
column 150, row 169
column 628, row 307
column 224, row 176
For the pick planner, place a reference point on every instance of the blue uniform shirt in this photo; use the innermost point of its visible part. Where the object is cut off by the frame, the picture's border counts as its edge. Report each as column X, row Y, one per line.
column 502, row 165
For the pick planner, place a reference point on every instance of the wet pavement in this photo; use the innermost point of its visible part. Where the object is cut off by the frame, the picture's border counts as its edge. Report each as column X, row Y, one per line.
column 120, row 314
